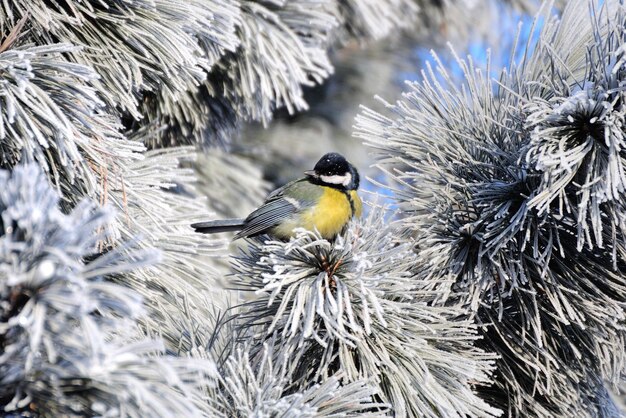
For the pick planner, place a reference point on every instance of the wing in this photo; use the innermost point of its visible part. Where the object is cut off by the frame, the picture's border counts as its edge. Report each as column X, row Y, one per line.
column 278, row 207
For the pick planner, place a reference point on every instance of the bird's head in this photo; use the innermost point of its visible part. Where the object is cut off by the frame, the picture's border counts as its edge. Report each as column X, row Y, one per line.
column 333, row 170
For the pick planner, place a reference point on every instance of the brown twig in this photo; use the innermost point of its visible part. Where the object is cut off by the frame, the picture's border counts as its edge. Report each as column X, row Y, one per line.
column 125, row 200
column 336, row 266
column 14, row 34
column 331, row 269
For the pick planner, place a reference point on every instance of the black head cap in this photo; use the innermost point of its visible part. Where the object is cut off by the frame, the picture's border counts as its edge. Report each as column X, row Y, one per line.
column 332, row 164
column 335, row 171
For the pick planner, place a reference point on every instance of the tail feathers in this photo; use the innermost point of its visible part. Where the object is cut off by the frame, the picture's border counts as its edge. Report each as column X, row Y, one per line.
column 220, row 225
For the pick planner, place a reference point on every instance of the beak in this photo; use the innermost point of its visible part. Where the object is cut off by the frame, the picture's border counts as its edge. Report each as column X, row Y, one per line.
column 311, row 173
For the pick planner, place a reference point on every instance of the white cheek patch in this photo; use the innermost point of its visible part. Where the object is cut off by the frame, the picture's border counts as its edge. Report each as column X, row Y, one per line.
column 336, row 179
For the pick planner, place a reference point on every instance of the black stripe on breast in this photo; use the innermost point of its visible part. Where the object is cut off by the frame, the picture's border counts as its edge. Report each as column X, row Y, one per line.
column 352, row 208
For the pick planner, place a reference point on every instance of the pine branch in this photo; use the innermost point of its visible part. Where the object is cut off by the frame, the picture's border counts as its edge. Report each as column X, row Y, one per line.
column 282, row 49
column 135, row 45
column 514, row 189
column 260, row 387
column 158, row 201
column 67, row 334
column 53, row 116
column 355, row 307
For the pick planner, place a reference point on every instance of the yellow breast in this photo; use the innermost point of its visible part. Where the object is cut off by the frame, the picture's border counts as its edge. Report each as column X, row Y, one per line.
column 331, row 214
column 328, row 216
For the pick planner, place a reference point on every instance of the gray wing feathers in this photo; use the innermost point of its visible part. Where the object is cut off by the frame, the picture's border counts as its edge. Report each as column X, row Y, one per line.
column 276, row 209
column 273, row 212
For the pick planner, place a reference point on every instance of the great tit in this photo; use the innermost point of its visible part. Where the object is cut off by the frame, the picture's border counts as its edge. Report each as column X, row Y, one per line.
column 324, row 200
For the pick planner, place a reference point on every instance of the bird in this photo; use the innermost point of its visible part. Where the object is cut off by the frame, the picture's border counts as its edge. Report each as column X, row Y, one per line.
column 325, row 199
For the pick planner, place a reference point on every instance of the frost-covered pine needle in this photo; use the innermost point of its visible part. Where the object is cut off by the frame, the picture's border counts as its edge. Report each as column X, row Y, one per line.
column 355, row 306
column 52, row 114
column 69, row 344
column 261, row 386
column 513, row 190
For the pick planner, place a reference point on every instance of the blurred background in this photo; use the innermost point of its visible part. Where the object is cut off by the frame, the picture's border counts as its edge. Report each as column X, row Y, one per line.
column 484, row 30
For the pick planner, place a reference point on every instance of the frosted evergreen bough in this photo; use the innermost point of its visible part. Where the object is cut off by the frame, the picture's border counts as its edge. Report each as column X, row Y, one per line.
column 356, row 307
column 135, row 45
column 193, row 72
column 69, row 344
column 577, row 134
column 53, row 115
column 75, row 72
column 158, row 200
column 282, row 48
column 261, row 387
column 513, row 190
